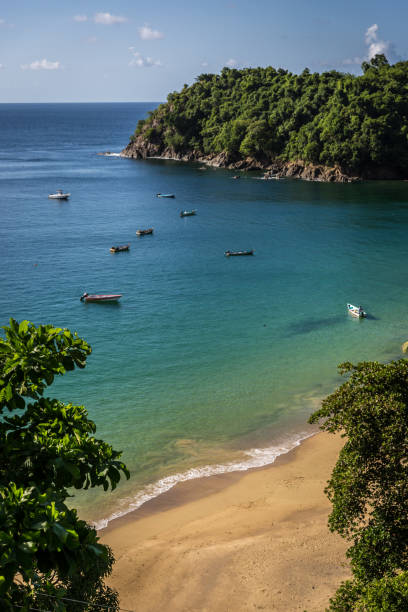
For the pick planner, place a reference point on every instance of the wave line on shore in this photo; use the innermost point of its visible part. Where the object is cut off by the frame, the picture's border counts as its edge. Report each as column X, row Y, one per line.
column 255, row 458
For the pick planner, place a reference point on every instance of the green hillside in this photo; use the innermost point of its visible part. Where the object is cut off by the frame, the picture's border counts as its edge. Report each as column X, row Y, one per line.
column 359, row 123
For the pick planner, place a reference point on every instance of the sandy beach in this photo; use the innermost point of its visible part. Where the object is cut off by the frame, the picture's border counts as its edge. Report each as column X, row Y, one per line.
column 257, row 541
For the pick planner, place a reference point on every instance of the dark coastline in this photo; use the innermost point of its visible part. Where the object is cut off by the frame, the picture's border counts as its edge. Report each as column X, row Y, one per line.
column 297, row 169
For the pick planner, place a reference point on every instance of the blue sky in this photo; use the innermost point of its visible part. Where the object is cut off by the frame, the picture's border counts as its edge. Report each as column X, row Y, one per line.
column 126, row 50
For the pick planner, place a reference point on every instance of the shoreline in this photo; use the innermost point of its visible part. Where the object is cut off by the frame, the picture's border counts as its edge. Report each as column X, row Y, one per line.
column 252, row 459
column 275, row 169
column 235, row 541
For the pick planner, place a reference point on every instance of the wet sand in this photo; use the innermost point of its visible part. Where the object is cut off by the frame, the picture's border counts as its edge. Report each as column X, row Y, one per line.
column 257, row 541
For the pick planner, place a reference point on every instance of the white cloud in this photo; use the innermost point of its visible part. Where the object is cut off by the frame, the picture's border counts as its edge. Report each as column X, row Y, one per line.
column 147, row 33
column 2, row 21
column 375, row 46
column 142, row 62
column 2, row 66
column 91, row 39
column 204, row 64
column 80, row 18
column 371, row 34
column 231, row 63
column 41, row 65
column 108, row 19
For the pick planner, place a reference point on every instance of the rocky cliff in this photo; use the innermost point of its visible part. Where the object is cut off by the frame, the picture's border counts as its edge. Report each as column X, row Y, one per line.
column 142, row 149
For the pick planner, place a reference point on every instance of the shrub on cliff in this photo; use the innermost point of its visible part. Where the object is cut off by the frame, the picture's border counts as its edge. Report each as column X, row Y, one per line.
column 48, row 556
column 368, row 488
column 357, row 122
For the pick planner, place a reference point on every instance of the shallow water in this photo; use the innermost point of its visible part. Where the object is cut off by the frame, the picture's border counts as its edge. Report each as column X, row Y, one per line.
column 205, row 356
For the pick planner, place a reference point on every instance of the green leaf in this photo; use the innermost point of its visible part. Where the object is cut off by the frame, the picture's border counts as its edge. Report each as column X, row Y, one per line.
column 23, row 327
column 60, row 532
column 28, row 547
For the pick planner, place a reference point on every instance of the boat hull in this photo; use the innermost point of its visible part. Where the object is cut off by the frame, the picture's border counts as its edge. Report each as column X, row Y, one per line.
column 102, row 298
column 119, row 249
column 188, row 213
column 56, row 196
column 144, row 232
column 238, row 253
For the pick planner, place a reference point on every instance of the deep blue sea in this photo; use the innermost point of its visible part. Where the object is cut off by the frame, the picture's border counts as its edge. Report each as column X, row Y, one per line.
column 207, row 364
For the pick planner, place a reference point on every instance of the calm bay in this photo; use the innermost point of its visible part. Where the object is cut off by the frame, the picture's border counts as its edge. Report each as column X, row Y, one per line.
column 208, row 363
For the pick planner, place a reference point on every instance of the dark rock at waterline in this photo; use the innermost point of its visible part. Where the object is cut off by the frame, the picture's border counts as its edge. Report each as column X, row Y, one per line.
column 299, row 169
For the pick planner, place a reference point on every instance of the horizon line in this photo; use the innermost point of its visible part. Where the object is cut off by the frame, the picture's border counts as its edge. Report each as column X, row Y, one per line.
column 93, row 102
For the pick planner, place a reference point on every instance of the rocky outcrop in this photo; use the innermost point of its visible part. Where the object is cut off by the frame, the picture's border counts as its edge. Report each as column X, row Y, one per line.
column 142, row 149
column 311, row 172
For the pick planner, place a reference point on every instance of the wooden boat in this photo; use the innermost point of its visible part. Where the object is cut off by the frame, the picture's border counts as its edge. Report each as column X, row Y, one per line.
column 235, row 253
column 118, row 249
column 165, row 195
column 108, row 297
column 187, row 213
column 141, row 232
column 356, row 311
column 59, row 195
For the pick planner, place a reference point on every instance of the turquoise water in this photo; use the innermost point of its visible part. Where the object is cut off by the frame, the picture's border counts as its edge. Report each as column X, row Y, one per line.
column 208, row 363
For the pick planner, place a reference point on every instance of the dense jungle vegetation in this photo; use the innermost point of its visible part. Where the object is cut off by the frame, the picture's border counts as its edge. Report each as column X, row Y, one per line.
column 356, row 122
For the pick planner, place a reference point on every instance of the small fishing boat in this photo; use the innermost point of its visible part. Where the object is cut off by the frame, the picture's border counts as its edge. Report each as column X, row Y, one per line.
column 187, row 213
column 108, row 297
column 141, row 232
column 356, row 311
column 235, row 253
column 59, row 195
column 165, row 195
column 236, row 177
column 118, row 249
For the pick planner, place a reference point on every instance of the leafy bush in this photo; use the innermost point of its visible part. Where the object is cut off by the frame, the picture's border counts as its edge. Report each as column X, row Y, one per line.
column 47, row 554
column 368, row 488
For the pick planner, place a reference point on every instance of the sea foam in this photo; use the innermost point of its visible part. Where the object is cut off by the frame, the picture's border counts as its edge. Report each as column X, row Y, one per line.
column 253, row 458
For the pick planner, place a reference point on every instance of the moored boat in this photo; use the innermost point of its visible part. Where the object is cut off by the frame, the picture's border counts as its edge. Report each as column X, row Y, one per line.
column 235, row 253
column 165, row 195
column 144, row 232
column 103, row 297
column 356, row 311
column 118, row 249
column 59, row 195
column 187, row 213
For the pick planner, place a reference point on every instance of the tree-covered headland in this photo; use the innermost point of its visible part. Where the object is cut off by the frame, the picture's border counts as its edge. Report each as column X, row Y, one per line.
column 265, row 115
column 50, row 559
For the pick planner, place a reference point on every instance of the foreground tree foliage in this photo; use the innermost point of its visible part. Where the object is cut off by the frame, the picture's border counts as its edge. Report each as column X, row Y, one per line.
column 357, row 122
column 369, row 484
column 48, row 556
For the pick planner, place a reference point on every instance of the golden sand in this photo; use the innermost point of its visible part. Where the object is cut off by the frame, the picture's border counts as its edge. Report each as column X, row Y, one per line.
column 230, row 543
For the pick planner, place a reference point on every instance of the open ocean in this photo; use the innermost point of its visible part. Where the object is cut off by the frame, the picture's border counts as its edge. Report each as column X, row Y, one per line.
column 208, row 364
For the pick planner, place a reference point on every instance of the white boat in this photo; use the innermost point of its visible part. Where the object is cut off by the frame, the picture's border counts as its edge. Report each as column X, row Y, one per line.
column 59, row 195
column 356, row 311
column 188, row 213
